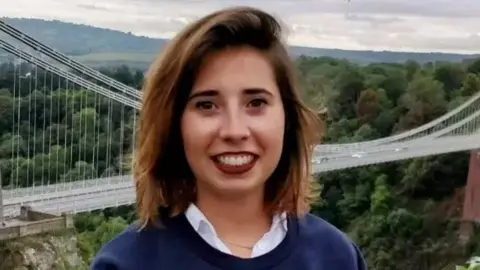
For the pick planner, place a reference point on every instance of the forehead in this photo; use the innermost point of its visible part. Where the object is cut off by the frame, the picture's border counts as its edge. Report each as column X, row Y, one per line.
column 235, row 69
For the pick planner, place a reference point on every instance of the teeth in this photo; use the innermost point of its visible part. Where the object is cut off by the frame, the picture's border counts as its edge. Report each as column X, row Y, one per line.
column 235, row 160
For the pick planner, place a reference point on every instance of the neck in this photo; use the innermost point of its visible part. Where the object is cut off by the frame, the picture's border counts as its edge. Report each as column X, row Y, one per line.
column 244, row 217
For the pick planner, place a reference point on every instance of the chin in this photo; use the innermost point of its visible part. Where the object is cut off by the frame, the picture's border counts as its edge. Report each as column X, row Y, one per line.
column 236, row 187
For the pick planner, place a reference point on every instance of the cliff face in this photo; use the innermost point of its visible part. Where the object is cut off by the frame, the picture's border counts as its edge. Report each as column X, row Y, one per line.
column 46, row 252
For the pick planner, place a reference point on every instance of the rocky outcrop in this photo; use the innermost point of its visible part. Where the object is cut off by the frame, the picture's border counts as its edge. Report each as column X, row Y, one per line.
column 57, row 251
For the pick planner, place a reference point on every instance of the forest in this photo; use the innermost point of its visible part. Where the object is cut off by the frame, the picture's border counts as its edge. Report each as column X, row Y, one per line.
column 403, row 215
column 52, row 131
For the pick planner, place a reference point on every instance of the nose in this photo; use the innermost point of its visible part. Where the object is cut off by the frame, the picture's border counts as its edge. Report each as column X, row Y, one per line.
column 234, row 127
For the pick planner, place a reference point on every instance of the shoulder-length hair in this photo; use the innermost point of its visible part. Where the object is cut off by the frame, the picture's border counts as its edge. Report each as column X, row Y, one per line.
column 162, row 175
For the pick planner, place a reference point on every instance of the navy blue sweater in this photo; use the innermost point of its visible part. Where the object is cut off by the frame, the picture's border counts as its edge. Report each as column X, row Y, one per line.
column 310, row 244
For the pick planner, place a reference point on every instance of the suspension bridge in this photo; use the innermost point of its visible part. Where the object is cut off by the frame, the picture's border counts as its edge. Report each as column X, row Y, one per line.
column 71, row 131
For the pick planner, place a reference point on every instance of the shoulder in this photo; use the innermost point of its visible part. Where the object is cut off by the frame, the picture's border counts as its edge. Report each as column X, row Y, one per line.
column 313, row 226
column 318, row 234
column 129, row 249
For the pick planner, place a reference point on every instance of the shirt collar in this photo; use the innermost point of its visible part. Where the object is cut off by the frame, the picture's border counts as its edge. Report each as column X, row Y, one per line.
column 196, row 217
column 199, row 222
column 280, row 219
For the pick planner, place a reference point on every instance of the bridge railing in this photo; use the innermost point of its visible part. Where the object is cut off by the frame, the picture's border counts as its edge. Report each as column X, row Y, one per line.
column 72, row 77
column 42, row 48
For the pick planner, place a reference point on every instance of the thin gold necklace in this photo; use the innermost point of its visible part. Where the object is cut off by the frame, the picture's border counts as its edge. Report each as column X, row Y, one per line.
column 238, row 245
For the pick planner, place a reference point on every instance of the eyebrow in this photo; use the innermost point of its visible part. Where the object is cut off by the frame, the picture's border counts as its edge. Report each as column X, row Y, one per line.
column 212, row 92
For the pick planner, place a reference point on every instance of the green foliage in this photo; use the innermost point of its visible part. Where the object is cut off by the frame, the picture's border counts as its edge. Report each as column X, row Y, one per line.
column 60, row 133
column 403, row 214
column 94, row 231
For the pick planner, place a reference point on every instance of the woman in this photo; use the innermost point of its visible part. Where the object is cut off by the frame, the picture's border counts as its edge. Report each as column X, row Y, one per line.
column 222, row 161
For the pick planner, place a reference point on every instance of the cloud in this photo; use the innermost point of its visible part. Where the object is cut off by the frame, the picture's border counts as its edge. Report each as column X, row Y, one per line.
column 92, row 7
column 427, row 25
column 424, row 8
column 374, row 20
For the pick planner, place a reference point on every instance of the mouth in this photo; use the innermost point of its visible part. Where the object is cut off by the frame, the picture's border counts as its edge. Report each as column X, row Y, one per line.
column 235, row 163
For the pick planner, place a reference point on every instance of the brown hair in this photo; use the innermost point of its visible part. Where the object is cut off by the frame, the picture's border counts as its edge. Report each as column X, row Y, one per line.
column 162, row 175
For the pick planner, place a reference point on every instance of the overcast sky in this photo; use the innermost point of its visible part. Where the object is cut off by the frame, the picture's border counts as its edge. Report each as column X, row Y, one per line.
column 399, row 25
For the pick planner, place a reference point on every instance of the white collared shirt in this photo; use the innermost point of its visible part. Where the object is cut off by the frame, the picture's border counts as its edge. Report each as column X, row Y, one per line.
column 267, row 243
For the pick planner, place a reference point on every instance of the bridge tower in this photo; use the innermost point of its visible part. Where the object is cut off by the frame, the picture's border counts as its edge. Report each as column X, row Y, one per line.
column 471, row 204
column 2, row 218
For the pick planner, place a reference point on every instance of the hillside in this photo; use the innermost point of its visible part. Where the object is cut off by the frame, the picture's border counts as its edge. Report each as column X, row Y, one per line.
column 97, row 46
column 56, row 251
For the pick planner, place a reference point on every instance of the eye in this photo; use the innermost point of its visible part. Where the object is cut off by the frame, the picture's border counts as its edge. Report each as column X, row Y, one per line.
column 258, row 102
column 205, row 105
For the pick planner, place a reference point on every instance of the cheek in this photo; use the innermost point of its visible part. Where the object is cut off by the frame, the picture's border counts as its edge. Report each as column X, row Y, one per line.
column 195, row 133
column 187, row 129
column 271, row 130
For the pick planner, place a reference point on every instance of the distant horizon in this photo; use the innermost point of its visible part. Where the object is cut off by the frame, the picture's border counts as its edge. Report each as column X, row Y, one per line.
column 428, row 26
column 290, row 44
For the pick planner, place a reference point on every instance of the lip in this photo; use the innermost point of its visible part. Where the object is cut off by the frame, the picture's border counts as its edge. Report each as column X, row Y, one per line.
column 235, row 169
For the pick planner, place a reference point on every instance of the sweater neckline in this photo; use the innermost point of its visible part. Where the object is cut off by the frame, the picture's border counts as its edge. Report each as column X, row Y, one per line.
column 206, row 252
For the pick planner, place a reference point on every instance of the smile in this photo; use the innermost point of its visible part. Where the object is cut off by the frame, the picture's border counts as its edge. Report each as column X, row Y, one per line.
column 235, row 160
column 235, row 163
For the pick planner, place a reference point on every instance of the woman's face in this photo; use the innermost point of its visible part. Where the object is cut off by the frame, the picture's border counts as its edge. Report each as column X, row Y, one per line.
column 233, row 124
